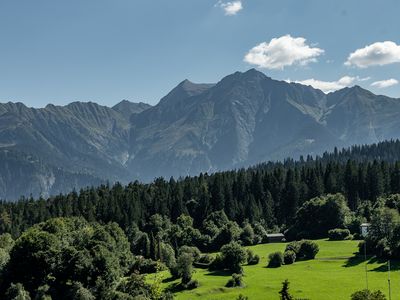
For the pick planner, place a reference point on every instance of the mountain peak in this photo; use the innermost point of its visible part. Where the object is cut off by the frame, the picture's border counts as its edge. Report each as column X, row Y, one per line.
column 253, row 71
column 249, row 75
column 128, row 108
column 353, row 91
column 183, row 90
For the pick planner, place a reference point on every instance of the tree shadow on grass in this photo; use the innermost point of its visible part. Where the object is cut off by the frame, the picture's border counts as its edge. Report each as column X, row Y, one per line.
column 175, row 287
column 359, row 259
column 355, row 261
column 169, row 279
column 394, row 265
column 219, row 273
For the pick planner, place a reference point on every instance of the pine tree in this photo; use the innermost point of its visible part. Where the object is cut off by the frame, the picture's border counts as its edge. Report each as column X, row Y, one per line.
column 284, row 292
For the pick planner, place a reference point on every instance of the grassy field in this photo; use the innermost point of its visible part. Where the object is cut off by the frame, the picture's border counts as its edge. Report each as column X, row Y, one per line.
column 335, row 274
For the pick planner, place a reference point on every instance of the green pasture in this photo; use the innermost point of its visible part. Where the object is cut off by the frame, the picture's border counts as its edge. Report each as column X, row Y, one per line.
column 334, row 275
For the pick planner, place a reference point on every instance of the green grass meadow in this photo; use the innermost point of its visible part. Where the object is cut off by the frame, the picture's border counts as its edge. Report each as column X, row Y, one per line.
column 334, row 275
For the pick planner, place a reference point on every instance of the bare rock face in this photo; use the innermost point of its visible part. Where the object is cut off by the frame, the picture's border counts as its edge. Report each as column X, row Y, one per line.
column 244, row 119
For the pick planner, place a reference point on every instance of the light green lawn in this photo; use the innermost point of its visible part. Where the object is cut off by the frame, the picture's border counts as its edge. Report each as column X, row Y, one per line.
column 334, row 275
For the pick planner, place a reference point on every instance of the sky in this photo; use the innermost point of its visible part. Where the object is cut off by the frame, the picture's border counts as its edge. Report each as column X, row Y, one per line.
column 54, row 51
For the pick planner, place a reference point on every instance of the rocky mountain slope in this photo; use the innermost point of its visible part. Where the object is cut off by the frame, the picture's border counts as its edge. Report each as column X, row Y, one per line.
column 244, row 119
column 247, row 118
column 57, row 148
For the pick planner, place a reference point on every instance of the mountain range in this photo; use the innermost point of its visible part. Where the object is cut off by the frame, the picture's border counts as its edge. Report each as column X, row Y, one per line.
column 244, row 119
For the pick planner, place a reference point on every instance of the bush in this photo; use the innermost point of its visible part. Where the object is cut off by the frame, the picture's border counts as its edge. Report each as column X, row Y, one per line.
column 259, row 233
column 146, row 266
column 247, row 236
column 192, row 284
column 293, row 246
column 235, row 281
column 367, row 294
column 304, row 249
column 185, row 267
column 251, row 258
column 339, row 234
column 206, row 259
column 289, row 257
column 275, row 260
column 254, row 261
column 217, row 263
column 194, row 251
column 204, row 262
column 308, row 249
column 167, row 255
column 233, row 256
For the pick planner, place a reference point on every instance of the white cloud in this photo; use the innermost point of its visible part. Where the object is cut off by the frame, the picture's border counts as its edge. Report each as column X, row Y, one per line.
column 231, row 8
column 381, row 84
column 331, row 86
column 377, row 54
column 281, row 52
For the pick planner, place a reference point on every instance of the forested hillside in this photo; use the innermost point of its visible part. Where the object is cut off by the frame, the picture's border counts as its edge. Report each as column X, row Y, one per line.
column 271, row 192
column 100, row 242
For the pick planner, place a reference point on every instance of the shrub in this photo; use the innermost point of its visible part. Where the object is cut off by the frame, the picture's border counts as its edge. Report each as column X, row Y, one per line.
column 367, row 294
column 146, row 266
column 235, row 281
column 206, row 259
column 304, row 249
column 233, row 256
column 204, row 262
column 241, row 297
column 185, row 267
column 254, row 260
column 308, row 249
column 339, row 234
column 192, row 284
column 174, row 271
column 275, row 260
column 194, row 251
column 247, row 236
column 251, row 258
column 167, row 255
column 289, row 257
column 259, row 233
column 217, row 263
column 293, row 246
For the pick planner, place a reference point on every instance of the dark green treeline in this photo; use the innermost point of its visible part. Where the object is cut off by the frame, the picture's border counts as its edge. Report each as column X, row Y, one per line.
column 271, row 192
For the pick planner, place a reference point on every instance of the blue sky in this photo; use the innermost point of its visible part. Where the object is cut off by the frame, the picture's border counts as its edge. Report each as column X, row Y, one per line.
column 57, row 52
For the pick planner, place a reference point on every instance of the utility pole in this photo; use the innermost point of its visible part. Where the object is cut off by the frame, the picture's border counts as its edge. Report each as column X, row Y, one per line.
column 365, row 259
column 390, row 291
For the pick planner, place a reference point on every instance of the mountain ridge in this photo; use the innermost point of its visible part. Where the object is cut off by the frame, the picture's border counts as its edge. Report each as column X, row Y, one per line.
column 245, row 118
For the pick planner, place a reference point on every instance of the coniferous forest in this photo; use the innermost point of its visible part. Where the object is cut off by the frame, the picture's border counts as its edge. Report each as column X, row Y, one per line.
column 271, row 192
column 97, row 243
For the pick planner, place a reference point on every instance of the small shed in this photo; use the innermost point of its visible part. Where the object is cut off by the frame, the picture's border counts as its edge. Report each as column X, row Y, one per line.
column 275, row 237
column 364, row 229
